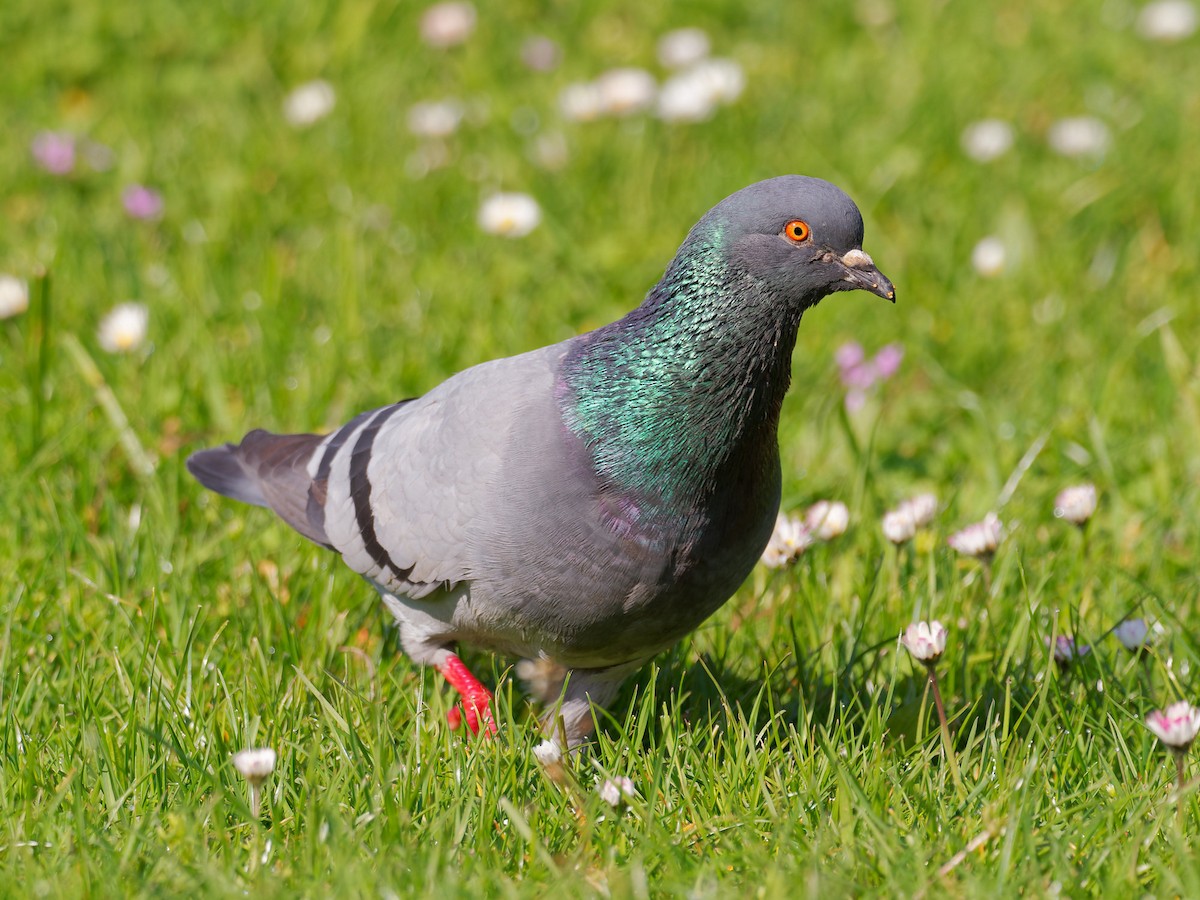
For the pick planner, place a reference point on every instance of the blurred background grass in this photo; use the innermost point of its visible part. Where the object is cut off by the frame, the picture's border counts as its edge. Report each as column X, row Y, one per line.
column 298, row 275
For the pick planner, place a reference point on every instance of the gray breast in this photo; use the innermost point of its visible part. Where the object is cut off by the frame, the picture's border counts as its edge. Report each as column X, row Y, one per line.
column 582, row 573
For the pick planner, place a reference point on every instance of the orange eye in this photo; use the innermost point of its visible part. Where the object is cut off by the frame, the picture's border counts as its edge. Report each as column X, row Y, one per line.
column 796, row 230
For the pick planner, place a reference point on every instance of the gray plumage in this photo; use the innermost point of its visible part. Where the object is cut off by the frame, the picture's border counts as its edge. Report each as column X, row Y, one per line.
column 591, row 502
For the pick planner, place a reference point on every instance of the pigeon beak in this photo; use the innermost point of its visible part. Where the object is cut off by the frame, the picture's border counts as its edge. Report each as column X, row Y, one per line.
column 861, row 274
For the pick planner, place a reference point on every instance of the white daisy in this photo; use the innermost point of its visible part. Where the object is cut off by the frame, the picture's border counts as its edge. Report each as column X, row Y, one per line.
column 683, row 47
column 255, row 764
column 987, row 139
column 685, row 98
column 309, row 102
column 1078, row 136
column 898, row 526
column 922, row 507
column 447, row 24
column 509, row 215
column 434, row 118
column 1167, row 21
column 827, row 519
column 14, row 296
column 626, row 91
column 124, row 328
column 790, row 539
column 989, row 257
column 580, row 101
column 616, row 791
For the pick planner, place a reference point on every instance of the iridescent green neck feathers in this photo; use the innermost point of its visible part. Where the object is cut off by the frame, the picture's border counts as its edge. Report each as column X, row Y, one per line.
column 685, row 386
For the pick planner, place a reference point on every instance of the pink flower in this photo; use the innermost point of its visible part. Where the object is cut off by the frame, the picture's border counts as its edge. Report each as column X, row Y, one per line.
column 926, row 641
column 540, row 54
column 1076, row 504
column 54, row 152
column 1176, row 726
column 979, row 539
column 1132, row 634
column 859, row 377
column 849, row 355
column 859, row 374
column 887, row 361
column 142, row 202
column 1066, row 651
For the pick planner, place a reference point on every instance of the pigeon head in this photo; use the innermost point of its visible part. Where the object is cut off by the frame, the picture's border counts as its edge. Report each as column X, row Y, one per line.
column 799, row 238
column 691, row 383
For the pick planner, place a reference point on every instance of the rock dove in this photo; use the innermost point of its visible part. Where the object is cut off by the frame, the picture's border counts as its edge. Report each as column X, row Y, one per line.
column 586, row 505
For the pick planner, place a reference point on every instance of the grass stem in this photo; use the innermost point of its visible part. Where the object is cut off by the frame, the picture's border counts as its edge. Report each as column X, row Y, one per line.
column 1180, row 777
column 947, row 743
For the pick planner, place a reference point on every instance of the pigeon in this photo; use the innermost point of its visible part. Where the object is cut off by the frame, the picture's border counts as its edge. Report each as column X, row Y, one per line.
column 583, row 506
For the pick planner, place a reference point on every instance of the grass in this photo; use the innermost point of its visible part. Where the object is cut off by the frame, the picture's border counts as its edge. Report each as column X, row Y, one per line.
column 298, row 276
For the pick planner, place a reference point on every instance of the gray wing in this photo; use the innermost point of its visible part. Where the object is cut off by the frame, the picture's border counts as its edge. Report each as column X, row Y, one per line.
column 404, row 489
column 401, row 491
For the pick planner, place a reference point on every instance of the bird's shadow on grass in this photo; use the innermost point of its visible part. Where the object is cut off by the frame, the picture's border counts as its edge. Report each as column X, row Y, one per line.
column 716, row 694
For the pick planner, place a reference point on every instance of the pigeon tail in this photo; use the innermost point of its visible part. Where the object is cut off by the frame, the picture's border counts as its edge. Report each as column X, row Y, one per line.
column 268, row 470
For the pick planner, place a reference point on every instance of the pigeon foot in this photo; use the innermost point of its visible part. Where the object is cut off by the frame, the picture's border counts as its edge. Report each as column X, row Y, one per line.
column 477, row 710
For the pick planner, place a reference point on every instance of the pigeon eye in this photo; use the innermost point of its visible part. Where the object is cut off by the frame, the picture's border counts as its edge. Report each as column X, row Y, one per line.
column 796, row 230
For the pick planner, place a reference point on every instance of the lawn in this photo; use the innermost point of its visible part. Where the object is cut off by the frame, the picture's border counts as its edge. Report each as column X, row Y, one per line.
column 295, row 273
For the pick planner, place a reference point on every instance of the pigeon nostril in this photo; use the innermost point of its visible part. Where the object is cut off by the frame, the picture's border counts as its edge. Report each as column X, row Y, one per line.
column 857, row 259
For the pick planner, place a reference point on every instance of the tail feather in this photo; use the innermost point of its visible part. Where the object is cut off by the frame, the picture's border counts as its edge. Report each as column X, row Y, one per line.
column 268, row 470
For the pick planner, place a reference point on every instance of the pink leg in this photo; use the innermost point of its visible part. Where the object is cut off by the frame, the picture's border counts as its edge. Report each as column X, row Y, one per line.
column 476, row 698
